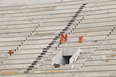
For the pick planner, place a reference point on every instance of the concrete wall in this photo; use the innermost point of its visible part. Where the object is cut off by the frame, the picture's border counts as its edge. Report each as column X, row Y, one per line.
column 69, row 51
column 58, row 59
column 24, row 2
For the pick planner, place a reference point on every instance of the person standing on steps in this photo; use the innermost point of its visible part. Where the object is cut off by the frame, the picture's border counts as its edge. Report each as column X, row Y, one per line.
column 61, row 39
column 60, row 42
column 80, row 39
column 66, row 37
column 10, row 52
column 62, row 36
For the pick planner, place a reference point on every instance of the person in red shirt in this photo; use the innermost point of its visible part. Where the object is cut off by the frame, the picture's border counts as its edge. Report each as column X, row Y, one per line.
column 62, row 36
column 66, row 37
column 80, row 39
column 60, row 42
column 10, row 52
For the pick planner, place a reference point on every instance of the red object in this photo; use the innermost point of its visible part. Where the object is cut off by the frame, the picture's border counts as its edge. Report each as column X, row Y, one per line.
column 80, row 39
column 62, row 36
column 60, row 42
column 66, row 37
column 10, row 51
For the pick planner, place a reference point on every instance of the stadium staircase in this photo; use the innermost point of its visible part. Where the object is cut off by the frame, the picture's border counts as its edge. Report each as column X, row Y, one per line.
column 45, row 50
column 26, row 30
column 33, row 33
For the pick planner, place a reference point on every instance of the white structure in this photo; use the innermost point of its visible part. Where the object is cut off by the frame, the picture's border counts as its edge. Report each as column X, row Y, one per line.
column 75, row 56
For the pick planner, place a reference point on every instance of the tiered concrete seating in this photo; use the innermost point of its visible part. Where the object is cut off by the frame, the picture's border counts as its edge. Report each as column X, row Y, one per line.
column 94, row 28
column 32, row 47
column 103, row 59
column 13, row 31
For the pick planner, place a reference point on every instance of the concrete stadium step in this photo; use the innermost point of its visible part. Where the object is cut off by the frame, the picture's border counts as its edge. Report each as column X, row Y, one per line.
column 69, row 40
column 43, row 12
column 70, row 67
column 6, row 35
column 27, row 10
column 99, row 20
column 4, row 51
column 7, row 48
column 29, row 42
column 44, row 6
column 12, row 72
column 1, row 60
column 79, row 61
column 25, row 14
column 59, row 19
column 9, row 43
column 98, row 68
column 75, row 73
column 36, row 21
column 97, row 24
column 84, row 47
column 14, row 26
column 112, row 37
column 88, row 38
column 79, row 45
column 114, row 32
column 20, row 22
column 111, row 21
column 28, row 51
column 53, row 32
column 84, row 56
column 12, row 39
column 42, row 38
column 62, row 67
column 61, row 15
column 33, row 46
column 16, row 30
column 100, row 63
column 24, row 66
column 35, row 17
column 51, row 28
column 86, row 51
column 104, row 52
column 68, row 6
column 47, row 33
column 90, row 34
column 112, row 46
column 92, row 29
column 61, row 23
column 95, row 16
column 105, row 7
column 99, row 13
column 109, row 41
column 107, row 56
column 19, row 61
column 106, row 3
column 32, row 6
column 22, row 56
column 2, row 55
